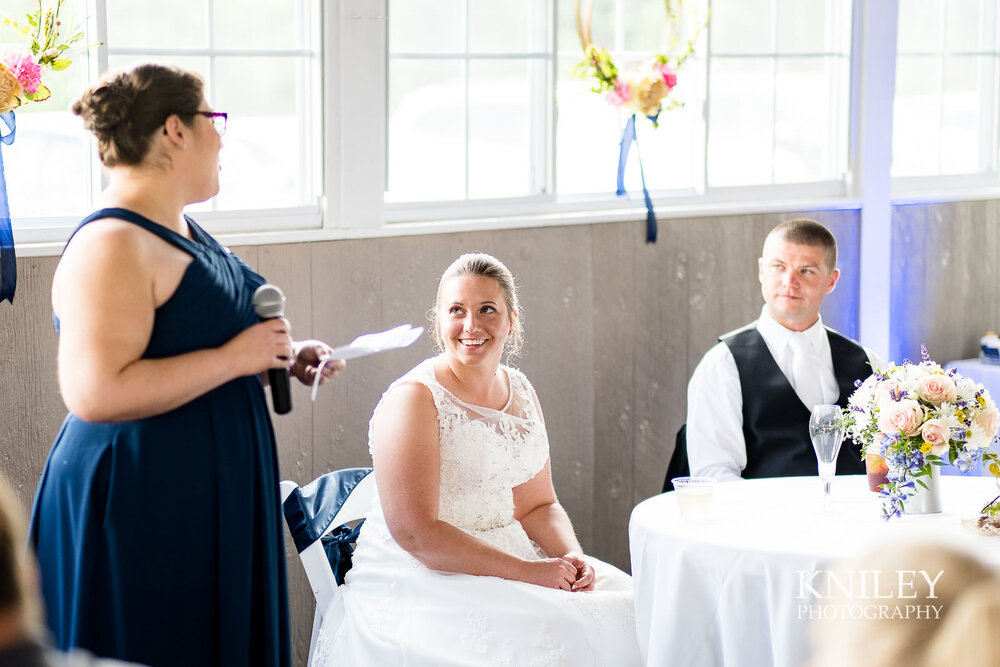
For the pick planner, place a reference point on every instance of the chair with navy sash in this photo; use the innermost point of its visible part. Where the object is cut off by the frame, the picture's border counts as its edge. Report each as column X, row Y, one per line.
column 678, row 465
column 318, row 515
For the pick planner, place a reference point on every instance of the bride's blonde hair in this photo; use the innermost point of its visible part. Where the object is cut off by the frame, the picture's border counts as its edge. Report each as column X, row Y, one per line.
column 486, row 266
column 963, row 633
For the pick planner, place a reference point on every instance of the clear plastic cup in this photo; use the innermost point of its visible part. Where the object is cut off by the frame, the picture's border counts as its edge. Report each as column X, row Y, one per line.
column 694, row 496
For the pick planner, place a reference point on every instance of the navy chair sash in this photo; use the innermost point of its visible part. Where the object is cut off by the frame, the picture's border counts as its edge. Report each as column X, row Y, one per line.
column 310, row 509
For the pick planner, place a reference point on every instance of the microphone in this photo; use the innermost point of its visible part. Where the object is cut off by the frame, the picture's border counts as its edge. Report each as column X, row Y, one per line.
column 269, row 302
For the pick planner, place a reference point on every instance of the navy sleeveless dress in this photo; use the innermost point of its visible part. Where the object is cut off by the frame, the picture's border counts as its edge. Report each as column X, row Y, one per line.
column 160, row 540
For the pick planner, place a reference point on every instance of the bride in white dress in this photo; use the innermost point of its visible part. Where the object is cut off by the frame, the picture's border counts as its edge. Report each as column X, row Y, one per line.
column 466, row 557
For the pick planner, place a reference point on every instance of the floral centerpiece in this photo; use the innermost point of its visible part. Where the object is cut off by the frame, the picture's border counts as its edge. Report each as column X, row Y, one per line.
column 915, row 416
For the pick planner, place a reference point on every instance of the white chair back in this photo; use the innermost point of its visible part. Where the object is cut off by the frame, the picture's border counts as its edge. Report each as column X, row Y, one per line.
column 314, row 559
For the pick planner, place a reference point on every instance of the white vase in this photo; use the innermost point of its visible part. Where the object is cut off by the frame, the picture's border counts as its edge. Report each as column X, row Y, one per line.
column 926, row 501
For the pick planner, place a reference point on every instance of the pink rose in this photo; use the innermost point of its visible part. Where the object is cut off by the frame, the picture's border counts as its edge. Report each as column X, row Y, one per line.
column 669, row 76
column 25, row 70
column 936, row 433
column 620, row 95
column 900, row 416
column 989, row 420
column 886, row 391
column 936, row 388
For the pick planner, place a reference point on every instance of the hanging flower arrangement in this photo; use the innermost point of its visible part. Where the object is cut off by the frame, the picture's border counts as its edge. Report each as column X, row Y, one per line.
column 646, row 88
column 21, row 72
column 49, row 42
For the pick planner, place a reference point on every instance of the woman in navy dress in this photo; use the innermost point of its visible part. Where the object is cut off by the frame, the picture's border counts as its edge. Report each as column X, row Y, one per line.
column 157, row 521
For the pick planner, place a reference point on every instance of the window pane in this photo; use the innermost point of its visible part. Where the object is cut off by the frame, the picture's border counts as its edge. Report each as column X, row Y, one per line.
column 919, row 26
column 741, row 122
column 197, row 64
column 742, row 26
column 810, row 120
column 968, row 26
column 178, row 23
column 507, row 27
column 426, row 26
column 426, row 137
column 50, row 147
column 645, row 26
column 500, row 132
column 238, row 23
column 962, row 114
column 814, row 26
column 50, row 143
column 916, row 116
column 602, row 24
column 587, row 135
column 267, row 161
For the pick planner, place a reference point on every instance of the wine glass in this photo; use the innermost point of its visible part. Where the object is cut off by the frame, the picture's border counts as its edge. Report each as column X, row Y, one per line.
column 826, row 430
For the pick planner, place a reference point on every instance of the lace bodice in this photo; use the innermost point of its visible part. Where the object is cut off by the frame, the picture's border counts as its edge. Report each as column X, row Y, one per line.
column 485, row 453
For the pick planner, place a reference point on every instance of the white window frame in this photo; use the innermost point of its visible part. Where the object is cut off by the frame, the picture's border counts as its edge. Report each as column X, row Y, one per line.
column 984, row 184
column 353, row 144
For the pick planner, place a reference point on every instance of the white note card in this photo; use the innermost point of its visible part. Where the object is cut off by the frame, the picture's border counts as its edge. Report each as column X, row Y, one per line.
column 391, row 339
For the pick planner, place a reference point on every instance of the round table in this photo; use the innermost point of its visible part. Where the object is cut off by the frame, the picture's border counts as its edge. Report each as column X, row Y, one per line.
column 728, row 590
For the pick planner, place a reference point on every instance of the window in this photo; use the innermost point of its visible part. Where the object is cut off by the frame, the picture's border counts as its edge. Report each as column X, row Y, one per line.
column 765, row 99
column 945, row 119
column 268, row 80
column 779, row 90
column 468, row 99
column 589, row 129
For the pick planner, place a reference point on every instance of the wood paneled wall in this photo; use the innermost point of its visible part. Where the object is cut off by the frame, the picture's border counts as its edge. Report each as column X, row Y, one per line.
column 614, row 328
column 945, row 278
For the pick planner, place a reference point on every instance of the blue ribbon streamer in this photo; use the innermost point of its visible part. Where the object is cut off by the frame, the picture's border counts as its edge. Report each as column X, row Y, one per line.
column 628, row 137
column 8, row 260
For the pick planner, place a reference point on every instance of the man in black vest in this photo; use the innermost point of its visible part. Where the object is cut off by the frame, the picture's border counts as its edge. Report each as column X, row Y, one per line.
column 750, row 397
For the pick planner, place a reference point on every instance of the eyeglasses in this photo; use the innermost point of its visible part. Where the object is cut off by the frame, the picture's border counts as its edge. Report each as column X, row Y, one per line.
column 218, row 119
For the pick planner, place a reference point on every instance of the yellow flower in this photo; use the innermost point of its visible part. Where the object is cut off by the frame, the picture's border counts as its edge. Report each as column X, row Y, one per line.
column 981, row 400
column 925, row 448
column 649, row 92
column 10, row 90
column 994, row 469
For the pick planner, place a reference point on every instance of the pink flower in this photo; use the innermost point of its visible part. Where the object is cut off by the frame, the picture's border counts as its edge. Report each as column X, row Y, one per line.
column 989, row 420
column 25, row 70
column 902, row 416
column 936, row 388
column 669, row 76
column 936, row 433
column 620, row 95
column 886, row 391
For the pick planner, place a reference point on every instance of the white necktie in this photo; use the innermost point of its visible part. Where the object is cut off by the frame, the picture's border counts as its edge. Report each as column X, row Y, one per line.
column 805, row 371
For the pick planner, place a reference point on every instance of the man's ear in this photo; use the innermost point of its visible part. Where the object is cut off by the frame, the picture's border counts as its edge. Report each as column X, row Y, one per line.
column 834, row 277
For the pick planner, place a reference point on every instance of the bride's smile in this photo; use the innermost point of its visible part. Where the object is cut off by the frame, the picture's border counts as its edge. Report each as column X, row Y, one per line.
column 476, row 321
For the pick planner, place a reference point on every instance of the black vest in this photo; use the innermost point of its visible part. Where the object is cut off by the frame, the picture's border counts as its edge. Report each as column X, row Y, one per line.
column 775, row 421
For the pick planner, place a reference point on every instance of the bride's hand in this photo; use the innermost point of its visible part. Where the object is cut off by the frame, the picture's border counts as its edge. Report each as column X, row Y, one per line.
column 584, row 571
column 552, row 573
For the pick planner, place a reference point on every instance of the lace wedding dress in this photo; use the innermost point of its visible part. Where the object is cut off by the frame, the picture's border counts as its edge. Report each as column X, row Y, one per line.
column 393, row 610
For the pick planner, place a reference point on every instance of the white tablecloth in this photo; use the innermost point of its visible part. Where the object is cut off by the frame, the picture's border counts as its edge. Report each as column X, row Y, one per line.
column 725, row 590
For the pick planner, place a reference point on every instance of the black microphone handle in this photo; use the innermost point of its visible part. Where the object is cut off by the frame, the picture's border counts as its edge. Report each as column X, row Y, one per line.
column 281, row 391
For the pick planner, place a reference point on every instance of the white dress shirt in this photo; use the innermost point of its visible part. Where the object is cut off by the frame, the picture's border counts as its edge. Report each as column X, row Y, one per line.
column 716, row 447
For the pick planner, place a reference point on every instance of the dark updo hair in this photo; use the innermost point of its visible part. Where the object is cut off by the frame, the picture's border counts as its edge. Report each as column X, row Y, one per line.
column 126, row 108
